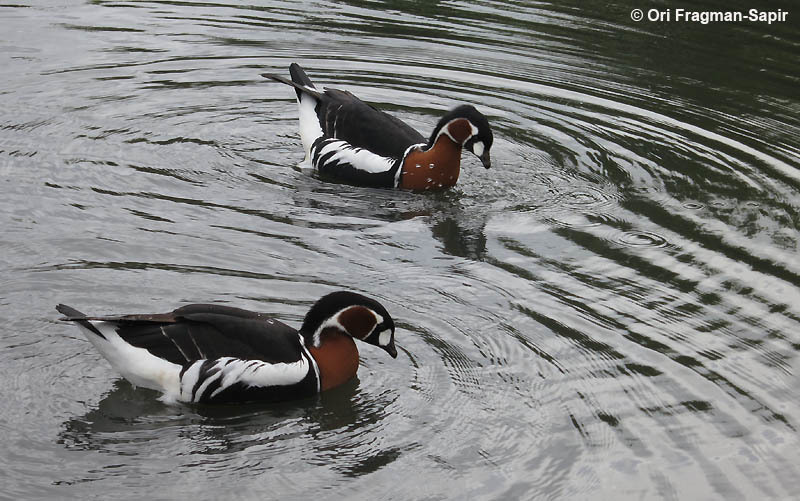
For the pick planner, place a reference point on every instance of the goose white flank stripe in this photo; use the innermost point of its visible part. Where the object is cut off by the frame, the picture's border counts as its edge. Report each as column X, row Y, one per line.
column 189, row 381
column 348, row 140
column 336, row 151
column 231, row 371
column 257, row 373
column 208, row 353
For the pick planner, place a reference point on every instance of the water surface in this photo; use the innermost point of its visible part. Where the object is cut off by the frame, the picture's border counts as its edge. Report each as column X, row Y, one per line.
column 612, row 311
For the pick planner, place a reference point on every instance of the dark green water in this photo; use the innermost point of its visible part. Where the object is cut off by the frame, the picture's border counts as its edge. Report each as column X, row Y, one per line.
column 611, row 312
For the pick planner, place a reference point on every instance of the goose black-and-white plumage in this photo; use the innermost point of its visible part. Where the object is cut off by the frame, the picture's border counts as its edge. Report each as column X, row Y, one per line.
column 348, row 140
column 207, row 353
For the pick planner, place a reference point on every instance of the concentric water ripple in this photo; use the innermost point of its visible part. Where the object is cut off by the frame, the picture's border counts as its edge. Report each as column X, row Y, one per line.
column 642, row 239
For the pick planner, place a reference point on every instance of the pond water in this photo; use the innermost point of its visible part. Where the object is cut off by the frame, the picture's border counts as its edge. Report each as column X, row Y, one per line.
column 611, row 312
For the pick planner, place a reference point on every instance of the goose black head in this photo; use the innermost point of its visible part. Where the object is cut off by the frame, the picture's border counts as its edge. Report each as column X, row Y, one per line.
column 359, row 316
column 474, row 135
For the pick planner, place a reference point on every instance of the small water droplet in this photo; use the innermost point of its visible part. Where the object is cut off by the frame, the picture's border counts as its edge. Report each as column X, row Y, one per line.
column 583, row 197
column 430, row 166
column 641, row 239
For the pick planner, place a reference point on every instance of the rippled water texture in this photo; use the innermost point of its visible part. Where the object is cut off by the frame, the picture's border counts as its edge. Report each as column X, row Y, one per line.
column 612, row 311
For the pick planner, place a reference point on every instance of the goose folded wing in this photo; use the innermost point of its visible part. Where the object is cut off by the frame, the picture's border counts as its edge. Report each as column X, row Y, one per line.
column 209, row 332
column 344, row 116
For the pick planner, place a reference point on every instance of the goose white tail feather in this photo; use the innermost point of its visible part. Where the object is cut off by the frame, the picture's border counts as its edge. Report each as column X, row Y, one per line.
column 310, row 129
column 137, row 365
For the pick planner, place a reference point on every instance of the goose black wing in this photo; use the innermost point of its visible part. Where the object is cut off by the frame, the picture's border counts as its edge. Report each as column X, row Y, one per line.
column 344, row 116
column 207, row 331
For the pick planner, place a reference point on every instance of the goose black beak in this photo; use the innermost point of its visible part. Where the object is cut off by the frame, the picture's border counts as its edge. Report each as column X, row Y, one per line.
column 485, row 159
column 390, row 349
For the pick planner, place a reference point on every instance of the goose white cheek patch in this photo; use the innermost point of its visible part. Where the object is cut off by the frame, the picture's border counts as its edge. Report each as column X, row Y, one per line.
column 385, row 337
column 477, row 148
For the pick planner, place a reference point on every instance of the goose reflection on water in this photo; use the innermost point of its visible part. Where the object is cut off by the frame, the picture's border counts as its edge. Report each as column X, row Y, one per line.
column 327, row 426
